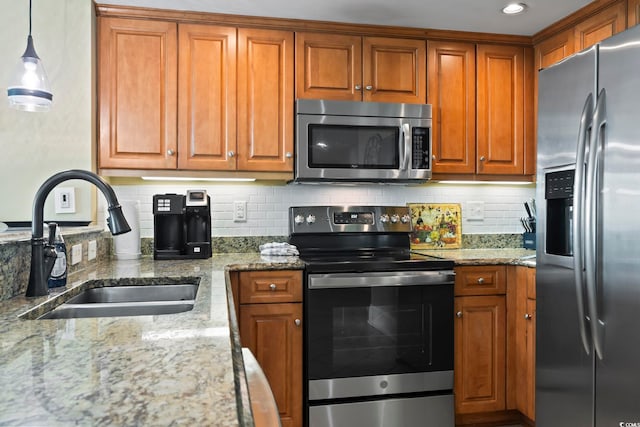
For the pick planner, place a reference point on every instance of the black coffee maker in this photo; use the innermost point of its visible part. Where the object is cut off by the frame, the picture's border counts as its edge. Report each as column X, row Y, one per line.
column 182, row 225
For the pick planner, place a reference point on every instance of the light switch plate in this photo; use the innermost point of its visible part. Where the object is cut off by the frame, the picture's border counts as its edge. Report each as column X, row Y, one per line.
column 65, row 200
column 92, row 250
column 76, row 254
column 474, row 211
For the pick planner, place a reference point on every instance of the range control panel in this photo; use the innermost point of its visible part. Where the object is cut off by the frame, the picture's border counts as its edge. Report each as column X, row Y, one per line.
column 349, row 219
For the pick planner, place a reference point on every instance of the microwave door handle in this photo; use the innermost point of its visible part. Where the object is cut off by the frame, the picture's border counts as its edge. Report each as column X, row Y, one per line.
column 406, row 147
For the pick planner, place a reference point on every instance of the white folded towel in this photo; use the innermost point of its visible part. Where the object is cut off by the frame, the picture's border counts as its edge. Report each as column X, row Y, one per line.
column 278, row 248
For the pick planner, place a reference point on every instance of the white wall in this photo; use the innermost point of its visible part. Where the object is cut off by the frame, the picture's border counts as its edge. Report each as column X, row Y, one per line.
column 33, row 146
column 267, row 205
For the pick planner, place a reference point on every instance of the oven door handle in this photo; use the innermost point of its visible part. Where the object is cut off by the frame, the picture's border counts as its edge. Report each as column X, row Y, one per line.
column 375, row 279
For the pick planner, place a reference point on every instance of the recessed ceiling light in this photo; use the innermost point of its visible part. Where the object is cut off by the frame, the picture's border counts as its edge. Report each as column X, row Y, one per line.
column 514, row 8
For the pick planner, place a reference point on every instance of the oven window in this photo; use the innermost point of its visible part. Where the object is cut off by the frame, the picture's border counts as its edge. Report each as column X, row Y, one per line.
column 379, row 330
column 354, row 147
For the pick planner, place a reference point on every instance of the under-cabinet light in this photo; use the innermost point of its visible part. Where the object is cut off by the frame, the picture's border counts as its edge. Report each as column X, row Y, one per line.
column 186, row 178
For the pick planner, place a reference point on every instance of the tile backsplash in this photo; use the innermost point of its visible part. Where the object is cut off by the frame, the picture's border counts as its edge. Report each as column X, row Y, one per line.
column 267, row 205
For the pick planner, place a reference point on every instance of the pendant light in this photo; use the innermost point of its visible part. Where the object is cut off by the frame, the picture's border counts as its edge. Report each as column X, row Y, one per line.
column 29, row 90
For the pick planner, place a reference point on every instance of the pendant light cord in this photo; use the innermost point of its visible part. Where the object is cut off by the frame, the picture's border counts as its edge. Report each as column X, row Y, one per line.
column 29, row 17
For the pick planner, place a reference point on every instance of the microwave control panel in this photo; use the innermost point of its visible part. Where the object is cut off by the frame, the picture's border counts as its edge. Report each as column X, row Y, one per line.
column 421, row 148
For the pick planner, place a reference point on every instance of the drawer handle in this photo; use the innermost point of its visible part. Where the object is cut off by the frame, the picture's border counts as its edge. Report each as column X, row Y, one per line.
column 273, row 287
column 459, row 314
column 298, row 322
column 480, row 280
column 528, row 316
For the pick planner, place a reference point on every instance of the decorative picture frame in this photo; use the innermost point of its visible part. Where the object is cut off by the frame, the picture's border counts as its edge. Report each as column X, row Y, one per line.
column 436, row 225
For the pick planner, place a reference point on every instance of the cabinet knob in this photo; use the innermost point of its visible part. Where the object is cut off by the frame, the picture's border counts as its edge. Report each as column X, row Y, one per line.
column 368, row 87
column 358, row 87
column 528, row 316
column 273, row 287
column 288, row 155
column 483, row 158
column 459, row 314
column 298, row 322
column 480, row 280
column 433, row 157
column 231, row 153
column 170, row 152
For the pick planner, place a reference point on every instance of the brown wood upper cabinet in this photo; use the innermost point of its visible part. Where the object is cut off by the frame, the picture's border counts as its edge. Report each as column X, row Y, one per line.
column 169, row 93
column 633, row 13
column 606, row 23
column 482, row 97
column 354, row 68
column 554, row 49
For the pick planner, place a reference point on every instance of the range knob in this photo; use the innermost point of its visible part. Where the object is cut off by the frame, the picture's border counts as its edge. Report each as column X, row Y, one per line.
column 299, row 219
column 311, row 219
column 405, row 218
column 395, row 218
column 384, row 218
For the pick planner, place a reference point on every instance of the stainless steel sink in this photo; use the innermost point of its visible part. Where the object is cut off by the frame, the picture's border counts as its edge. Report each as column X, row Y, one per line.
column 127, row 301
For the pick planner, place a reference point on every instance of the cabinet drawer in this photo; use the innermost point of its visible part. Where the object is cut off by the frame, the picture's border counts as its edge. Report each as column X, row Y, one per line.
column 270, row 286
column 481, row 280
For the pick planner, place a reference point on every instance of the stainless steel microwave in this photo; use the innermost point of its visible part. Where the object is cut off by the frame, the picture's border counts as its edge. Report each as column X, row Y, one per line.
column 345, row 141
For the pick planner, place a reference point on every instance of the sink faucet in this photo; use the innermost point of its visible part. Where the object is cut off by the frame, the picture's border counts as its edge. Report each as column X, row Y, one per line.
column 43, row 256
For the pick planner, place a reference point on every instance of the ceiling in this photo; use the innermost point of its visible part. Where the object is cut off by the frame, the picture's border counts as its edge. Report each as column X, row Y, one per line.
column 465, row 15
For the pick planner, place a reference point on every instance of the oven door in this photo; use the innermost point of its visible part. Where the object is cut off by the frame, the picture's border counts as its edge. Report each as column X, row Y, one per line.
column 378, row 333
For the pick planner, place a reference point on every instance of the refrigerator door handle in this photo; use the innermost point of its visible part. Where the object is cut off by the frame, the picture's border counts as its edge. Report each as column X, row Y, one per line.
column 590, row 217
column 586, row 125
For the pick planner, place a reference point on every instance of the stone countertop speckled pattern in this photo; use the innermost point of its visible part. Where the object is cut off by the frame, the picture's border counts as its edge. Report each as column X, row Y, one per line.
column 511, row 256
column 177, row 369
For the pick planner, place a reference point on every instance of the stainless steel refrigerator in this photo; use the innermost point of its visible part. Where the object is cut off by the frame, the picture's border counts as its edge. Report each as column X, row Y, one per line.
column 588, row 259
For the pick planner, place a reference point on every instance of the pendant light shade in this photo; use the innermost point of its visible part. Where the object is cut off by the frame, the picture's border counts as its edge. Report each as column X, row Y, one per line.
column 30, row 90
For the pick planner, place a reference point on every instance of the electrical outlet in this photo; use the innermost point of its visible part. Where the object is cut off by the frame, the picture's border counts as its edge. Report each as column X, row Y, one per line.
column 92, row 250
column 475, row 211
column 65, row 200
column 240, row 211
column 76, row 254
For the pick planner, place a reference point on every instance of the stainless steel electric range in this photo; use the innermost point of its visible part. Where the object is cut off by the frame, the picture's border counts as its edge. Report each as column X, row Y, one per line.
column 378, row 346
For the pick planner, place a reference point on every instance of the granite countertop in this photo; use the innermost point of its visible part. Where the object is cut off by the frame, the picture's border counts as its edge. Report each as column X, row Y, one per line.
column 176, row 369
column 511, row 256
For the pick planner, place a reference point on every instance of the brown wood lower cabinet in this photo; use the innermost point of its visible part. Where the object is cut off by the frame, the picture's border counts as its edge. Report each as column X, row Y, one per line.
column 271, row 327
column 479, row 363
column 525, row 342
column 494, row 362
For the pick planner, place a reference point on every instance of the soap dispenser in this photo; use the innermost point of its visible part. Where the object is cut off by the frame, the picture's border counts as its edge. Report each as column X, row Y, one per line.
column 58, row 276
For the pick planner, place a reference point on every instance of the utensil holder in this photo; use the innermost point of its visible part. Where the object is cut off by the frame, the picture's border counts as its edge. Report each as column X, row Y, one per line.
column 529, row 240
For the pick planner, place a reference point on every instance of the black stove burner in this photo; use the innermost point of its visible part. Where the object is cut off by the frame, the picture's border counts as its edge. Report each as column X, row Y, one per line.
column 354, row 263
column 362, row 252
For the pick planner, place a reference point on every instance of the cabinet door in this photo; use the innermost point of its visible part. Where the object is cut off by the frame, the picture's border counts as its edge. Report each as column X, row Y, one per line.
column 394, row 70
column 479, row 364
column 273, row 333
column 265, row 100
column 328, row 66
column 529, row 408
column 553, row 49
column 207, row 97
column 137, row 78
column 606, row 23
column 633, row 13
column 525, row 340
column 451, row 72
column 501, row 112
